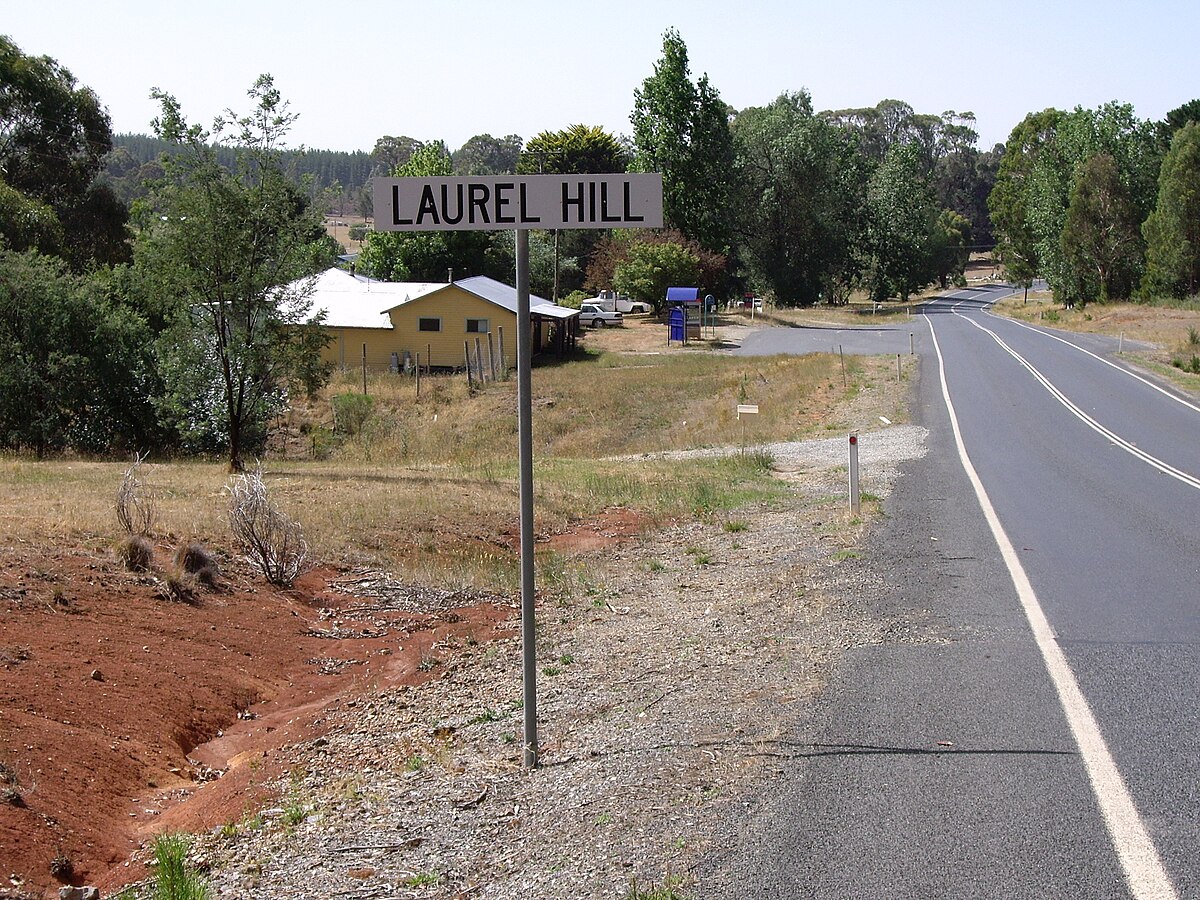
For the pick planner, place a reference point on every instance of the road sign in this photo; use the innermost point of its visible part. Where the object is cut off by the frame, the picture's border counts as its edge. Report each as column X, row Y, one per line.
column 519, row 203
column 502, row 202
column 747, row 409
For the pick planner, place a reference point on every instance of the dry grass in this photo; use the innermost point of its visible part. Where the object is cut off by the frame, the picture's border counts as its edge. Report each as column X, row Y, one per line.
column 430, row 486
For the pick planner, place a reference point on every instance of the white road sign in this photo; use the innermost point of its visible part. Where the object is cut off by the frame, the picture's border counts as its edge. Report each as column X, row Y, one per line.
column 500, row 202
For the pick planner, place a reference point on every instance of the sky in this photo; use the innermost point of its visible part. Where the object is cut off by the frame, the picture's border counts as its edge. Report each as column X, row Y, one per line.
column 451, row 69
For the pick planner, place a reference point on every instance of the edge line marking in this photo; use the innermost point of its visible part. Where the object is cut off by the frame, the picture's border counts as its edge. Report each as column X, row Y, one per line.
column 1145, row 874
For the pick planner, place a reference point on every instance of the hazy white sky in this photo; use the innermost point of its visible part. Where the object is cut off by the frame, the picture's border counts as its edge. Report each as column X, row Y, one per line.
column 450, row 69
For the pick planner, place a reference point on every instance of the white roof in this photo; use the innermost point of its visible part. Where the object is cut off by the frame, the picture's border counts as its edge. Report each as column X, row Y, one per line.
column 349, row 302
column 352, row 302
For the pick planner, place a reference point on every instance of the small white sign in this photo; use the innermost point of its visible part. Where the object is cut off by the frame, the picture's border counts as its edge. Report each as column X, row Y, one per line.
column 747, row 409
column 499, row 202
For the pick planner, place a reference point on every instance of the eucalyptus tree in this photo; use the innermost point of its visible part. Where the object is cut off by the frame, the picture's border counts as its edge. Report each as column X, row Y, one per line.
column 1101, row 241
column 798, row 190
column 230, row 248
column 487, row 155
column 54, row 135
column 902, row 217
column 1009, row 200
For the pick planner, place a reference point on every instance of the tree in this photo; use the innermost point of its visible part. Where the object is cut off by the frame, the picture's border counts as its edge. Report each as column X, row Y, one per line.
column 796, row 197
column 232, row 248
column 1172, row 232
column 486, row 155
column 1080, row 135
column 682, row 130
column 651, row 268
column 430, row 255
column 616, row 250
column 1009, row 200
column 1100, row 238
column 579, row 149
column 75, row 365
column 950, row 247
column 1176, row 119
column 901, row 222
column 54, row 135
column 391, row 152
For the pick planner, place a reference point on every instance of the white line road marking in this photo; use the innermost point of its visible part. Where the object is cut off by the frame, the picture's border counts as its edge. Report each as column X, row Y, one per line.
column 1107, row 362
column 1127, row 446
column 1145, row 875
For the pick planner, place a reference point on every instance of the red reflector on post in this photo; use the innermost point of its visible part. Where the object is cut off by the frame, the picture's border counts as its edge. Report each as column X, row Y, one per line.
column 854, row 438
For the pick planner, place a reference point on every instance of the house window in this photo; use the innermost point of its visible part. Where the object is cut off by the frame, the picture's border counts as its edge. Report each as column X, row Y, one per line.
column 477, row 326
column 429, row 324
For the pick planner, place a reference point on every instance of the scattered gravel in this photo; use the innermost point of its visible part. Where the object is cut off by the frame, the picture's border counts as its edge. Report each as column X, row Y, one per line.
column 668, row 670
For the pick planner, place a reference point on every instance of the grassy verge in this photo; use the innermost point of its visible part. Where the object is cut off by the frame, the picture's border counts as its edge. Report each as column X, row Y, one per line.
column 428, row 486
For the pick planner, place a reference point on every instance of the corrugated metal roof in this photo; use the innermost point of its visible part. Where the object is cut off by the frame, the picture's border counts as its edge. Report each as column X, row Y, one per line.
column 349, row 302
column 354, row 302
column 505, row 296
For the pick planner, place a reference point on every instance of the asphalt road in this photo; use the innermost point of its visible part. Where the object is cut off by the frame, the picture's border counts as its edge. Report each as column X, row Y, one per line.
column 966, row 753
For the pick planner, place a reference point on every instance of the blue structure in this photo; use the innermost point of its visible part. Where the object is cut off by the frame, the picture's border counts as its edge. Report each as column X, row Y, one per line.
column 676, row 325
column 678, row 295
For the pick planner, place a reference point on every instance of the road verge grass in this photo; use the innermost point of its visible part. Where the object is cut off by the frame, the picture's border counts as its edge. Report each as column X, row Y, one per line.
column 428, row 487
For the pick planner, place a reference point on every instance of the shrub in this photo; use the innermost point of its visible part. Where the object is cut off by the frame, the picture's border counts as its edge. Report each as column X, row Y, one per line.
column 135, row 506
column 350, row 412
column 274, row 541
column 574, row 299
column 137, row 553
column 61, row 867
column 195, row 560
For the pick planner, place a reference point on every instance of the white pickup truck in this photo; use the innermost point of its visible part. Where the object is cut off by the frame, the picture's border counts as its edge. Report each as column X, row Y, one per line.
column 610, row 301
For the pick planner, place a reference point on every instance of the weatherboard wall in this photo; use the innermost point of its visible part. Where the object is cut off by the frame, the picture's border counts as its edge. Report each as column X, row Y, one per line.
column 345, row 351
column 452, row 307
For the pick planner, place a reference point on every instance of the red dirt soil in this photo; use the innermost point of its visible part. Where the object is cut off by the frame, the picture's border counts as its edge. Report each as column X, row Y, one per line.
column 107, row 688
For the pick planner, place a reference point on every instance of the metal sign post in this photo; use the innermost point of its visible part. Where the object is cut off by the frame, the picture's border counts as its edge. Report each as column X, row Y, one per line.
column 525, row 464
column 518, row 203
column 745, row 409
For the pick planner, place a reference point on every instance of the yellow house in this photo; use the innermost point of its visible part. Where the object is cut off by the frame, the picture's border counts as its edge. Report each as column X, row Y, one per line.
column 386, row 324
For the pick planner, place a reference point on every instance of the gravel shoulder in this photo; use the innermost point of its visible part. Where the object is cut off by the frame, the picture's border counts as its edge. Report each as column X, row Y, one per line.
column 667, row 673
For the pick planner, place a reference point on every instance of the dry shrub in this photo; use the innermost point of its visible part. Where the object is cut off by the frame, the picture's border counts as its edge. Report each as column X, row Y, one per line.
column 178, row 586
column 137, row 553
column 273, row 540
column 135, row 506
column 193, row 559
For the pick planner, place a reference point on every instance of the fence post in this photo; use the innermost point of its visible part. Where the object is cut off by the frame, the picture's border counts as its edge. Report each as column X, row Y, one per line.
column 479, row 362
column 418, row 375
column 491, row 356
column 500, row 341
column 467, row 357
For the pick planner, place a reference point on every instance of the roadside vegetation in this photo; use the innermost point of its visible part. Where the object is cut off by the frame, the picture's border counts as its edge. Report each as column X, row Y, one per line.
column 428, row 488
